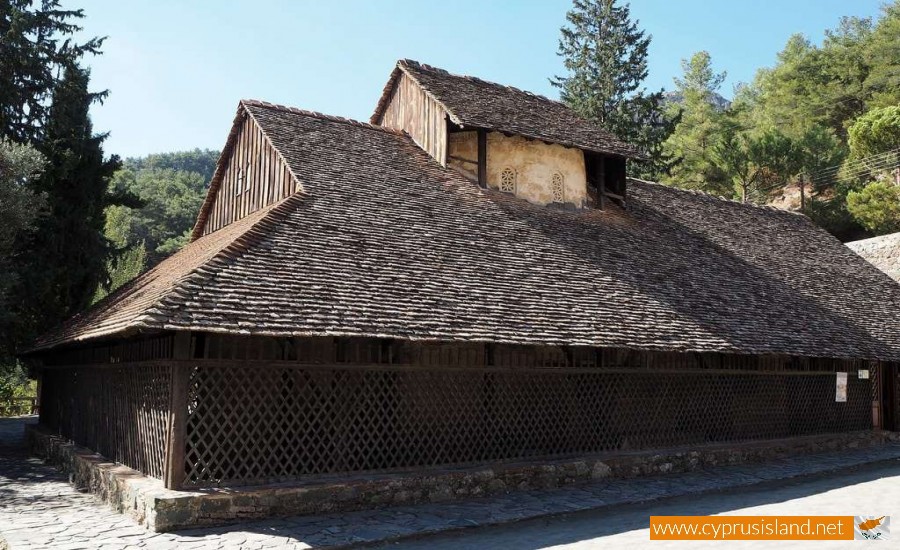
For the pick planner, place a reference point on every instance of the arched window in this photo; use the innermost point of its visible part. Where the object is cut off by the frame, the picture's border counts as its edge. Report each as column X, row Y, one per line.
column 558, row 188
column 508, row 180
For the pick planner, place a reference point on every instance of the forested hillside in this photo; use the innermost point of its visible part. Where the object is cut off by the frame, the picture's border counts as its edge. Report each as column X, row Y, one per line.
column 169, row 189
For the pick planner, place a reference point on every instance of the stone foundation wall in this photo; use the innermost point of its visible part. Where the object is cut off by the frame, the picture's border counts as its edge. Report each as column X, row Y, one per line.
column 160, row 509
column 127, row 491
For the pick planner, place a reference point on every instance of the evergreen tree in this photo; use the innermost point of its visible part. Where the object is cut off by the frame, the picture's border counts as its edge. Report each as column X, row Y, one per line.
column 19, row 208
column 695, row 135
column 605, row 55
column 170, row 188
column 35, row 46
column 883, row 54
column 876, row 133
column 67, row 252
column 876, row 206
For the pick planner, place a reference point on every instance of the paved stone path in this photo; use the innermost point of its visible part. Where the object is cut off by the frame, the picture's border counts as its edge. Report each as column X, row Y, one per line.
column 39, row 509
column 874, row 490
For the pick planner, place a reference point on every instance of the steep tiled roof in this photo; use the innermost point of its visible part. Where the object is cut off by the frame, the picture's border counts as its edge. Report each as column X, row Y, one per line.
column 384, row 242
column 477, row 103
column 883, row 252
column 137, row 304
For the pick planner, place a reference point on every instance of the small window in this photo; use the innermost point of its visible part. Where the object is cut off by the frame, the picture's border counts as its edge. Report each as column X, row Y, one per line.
column 558, row 188
column 239, row 184
column 243, row 180
column 508, row 180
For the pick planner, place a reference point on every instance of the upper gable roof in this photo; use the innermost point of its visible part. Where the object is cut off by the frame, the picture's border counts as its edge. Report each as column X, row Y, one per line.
column 385, row 242
column 477, row 103
column 883, row 252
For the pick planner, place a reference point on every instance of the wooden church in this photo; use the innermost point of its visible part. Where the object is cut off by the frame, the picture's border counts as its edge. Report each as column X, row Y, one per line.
column 468, row 278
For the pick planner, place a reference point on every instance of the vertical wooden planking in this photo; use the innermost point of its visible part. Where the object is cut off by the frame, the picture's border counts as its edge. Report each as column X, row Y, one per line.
column 411, row 110
column 265, row 178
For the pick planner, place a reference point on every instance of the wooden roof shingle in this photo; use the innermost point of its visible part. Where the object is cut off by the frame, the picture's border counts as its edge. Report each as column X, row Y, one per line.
column 385, row 242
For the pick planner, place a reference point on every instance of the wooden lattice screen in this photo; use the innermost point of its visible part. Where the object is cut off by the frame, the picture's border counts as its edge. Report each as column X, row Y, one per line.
column 120, row 411
column 250, row 422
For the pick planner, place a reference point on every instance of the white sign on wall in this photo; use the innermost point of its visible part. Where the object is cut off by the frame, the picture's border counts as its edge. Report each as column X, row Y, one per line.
column 841, row 387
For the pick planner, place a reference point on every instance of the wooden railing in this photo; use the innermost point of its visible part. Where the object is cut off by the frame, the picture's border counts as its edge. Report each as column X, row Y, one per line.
column 16, row 406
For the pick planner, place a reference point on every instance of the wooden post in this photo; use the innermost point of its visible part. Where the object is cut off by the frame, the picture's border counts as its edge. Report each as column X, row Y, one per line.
column 601, row 182
column 178, row 398
column 482, row 158
column 887, row 414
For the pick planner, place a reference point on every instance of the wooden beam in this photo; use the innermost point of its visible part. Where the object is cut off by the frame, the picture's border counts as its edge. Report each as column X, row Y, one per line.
column 482, row 158
column 462, row 159
column 601, row 182
column 178, row 402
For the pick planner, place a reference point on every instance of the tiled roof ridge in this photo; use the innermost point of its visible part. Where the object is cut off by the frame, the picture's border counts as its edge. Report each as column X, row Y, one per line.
column 874, row 240
column 700, row 193
column 432, row 68
column 319, row 115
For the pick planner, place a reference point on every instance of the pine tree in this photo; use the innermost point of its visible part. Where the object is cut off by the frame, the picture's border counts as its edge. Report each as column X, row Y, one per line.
column 605, row 55
column 67, row 252
column 36, row 45
column 695, row 135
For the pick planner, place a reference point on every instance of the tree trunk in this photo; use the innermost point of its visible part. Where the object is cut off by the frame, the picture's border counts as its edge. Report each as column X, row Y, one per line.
column 802, row 183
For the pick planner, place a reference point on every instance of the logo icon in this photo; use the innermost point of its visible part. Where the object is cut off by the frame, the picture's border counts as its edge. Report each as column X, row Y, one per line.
column 871, row 527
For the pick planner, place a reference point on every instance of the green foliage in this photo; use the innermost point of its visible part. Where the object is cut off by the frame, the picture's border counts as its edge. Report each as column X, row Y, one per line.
column 832, row 215
column 697, row 132
column 19, row 208
column 36, row 46
column 171, row 201
column 739, row 155
column 130, row 258
column 605, row 56
column 16, row 391
column 876, row 206
column 790, row 127
column 883, row 55
column 169, row 189
column 67, row 252
column 877, row 131
column 819, row 149
column 856, row 68
column 200, row 161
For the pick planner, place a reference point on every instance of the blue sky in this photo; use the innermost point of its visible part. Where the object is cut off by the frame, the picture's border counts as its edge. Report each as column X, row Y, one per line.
column 176, row 69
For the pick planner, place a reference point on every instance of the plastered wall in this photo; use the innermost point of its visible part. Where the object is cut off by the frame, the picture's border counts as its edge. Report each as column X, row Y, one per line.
column 534, row 163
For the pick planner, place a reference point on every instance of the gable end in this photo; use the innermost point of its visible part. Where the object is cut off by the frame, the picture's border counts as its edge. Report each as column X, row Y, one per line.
column 251, row 174
column 405, row 105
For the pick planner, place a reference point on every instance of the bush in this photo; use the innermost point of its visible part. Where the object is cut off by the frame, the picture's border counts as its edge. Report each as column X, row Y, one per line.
column 876, row 207
column 16, row 391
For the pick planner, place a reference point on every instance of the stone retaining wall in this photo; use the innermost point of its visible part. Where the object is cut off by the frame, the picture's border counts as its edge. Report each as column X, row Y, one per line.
column 160, row 509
